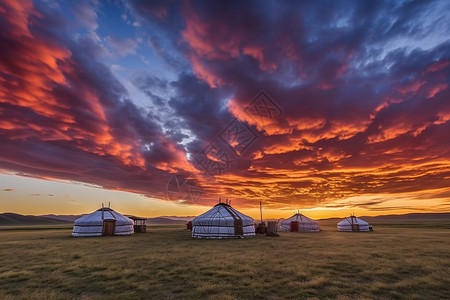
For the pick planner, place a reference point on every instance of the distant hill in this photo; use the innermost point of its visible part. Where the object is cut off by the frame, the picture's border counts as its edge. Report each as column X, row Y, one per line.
column 187, row 218
column 64, row 218
column 164, row 221
column 412, row 217
column 12, row 219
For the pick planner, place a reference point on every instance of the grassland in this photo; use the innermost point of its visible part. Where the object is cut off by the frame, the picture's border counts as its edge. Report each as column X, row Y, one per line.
column 165, row 263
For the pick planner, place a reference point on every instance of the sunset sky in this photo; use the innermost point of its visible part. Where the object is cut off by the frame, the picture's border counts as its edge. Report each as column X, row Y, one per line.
column 161, row 107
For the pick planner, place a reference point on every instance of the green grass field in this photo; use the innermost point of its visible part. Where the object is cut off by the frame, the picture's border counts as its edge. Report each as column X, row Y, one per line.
column 166, row 263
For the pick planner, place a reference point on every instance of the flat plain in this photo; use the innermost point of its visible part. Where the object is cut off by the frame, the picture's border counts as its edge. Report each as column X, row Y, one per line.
column 409, row 261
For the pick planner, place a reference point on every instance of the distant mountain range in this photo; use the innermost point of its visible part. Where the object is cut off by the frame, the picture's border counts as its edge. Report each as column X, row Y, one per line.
column 164, row 221
column 401, row 218
column 12, row 219
column 63, row 218
column 185, row 219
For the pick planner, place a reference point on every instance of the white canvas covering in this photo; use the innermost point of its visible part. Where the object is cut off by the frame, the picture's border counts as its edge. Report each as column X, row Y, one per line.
column 92, row 224
column 305, row 224
column 352, row 223
column 222, row 221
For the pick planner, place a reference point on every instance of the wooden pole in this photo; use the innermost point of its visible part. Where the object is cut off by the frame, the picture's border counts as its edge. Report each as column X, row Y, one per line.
column 260, row 209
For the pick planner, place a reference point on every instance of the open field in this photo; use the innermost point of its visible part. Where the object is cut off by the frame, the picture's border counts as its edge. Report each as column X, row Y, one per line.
column 165, row 263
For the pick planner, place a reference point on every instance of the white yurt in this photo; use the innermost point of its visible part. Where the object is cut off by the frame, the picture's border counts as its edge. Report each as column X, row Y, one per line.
column 352, row 223
column 103, row 221
column 222, row 221
column 299, row 223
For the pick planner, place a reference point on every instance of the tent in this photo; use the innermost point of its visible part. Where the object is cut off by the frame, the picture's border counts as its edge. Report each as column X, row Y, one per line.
column 352, row 223
column 299, row 223
column 103, row 221
column 222, row 221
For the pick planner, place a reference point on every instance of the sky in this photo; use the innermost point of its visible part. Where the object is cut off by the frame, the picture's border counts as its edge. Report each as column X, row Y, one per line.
column 162, row 107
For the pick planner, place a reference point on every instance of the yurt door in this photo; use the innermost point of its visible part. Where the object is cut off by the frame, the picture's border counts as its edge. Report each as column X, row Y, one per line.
column 294, row 226
column 238, row 229
column 355, row 227
column 108, row 227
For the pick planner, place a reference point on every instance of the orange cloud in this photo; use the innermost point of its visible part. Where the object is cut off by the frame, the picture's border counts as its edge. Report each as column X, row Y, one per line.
column 40, row 67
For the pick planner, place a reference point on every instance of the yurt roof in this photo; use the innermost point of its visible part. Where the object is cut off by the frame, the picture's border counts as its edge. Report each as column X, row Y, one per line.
column 352, row 220
column 302, row 218
column 105, row 209
column 97, row 217
column 221, row 213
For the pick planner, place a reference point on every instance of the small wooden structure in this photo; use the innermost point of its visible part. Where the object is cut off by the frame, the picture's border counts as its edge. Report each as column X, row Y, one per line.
column 272, row 229
column 261, row 228
column 139, row 224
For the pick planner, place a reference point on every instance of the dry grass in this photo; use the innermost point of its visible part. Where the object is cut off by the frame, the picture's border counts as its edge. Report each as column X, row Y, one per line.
column 165, row 263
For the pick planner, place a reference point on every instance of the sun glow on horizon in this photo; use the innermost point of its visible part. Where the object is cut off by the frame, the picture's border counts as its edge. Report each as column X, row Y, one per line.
column 103, row 101
column 25, row 195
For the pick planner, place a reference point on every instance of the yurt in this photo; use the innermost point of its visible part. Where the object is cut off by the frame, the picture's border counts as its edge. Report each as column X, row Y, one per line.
column 222, row 221
column 103, row 221
column 352, row 223
column 299, row 223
